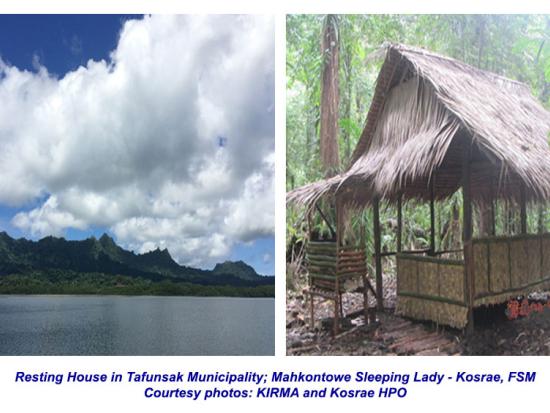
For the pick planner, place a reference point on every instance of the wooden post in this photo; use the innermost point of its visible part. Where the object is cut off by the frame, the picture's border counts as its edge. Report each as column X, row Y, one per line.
column 336, row 324
column 311, row 310
column 508, row 218
column 365, row 296
column 364, row 276
column 493, row 209
column 467, row 200
column 467, row 235
column 338, row 233
column 311, row 299
column 339, row 243
column 377, row 252
column 326, row 220
column 362, row 236
column 309, row 225
column 493, row 223
column 399, row 223
column 432, row 218
column 541, row 219
column 523, row 211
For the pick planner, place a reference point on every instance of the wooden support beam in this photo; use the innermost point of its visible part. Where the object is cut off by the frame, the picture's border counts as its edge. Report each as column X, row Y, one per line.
column 493, row 223
column 365, row 296
column 326, row 220
column 363, row 242
column 339, row 229
column 399, row 223
column 389, row 253
column 467, row 203
column 309, row 225
column 493, row 209
column 339, row 243
column 541, row 219
column 377, row 251
column 523, row 211
column 467, row 234
column 336, row 322
column 432, row 218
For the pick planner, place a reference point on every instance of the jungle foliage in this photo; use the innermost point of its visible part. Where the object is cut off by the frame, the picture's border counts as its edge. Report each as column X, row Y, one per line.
column 514, row 46
column 69, row 282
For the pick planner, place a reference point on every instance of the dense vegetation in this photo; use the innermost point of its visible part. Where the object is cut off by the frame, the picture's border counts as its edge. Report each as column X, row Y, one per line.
column 67, row 282
column 515, row 46
column 57, row 266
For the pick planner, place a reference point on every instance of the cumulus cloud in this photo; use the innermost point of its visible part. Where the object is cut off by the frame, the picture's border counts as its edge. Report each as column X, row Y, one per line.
column 48, row 219
column 132, row 144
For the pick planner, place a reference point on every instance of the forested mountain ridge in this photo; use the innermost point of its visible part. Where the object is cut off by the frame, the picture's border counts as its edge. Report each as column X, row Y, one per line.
column 239, row 269
column 103, row 256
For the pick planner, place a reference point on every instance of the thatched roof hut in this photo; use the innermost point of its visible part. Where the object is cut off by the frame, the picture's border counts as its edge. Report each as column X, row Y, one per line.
column 436, row 125
column 426, row 112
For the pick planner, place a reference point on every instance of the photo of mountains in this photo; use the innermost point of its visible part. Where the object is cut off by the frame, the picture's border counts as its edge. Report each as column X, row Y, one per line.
column 100, row 266
column 137, row 184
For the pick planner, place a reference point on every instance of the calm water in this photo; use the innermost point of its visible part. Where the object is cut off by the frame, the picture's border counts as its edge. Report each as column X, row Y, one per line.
column 114, row 325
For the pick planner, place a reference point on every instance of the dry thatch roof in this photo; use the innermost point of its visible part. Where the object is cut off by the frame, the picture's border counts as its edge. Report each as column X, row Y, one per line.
column 426, row 112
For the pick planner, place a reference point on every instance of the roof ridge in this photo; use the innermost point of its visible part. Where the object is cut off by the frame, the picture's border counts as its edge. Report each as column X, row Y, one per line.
column 425, row 52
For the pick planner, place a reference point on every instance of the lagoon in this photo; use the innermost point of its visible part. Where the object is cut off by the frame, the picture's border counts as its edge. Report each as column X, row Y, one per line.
column 139, row 325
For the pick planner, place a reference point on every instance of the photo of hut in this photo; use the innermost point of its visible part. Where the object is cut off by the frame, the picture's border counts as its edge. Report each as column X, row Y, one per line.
column 436, row 126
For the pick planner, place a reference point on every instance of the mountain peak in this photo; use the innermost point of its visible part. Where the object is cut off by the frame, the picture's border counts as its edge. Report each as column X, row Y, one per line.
column 161, row 252
column 106, row 239
column 159, row 256
column 237, row 268
column 50, row 238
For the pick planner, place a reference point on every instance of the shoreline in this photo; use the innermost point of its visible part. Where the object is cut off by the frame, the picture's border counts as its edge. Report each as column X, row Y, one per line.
column 125, row 295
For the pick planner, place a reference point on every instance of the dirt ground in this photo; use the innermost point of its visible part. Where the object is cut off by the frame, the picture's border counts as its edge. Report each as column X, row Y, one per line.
column 494, row 333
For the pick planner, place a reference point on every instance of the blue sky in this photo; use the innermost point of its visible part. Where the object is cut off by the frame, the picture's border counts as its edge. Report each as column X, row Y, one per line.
column 81, row 139
column 60, row 42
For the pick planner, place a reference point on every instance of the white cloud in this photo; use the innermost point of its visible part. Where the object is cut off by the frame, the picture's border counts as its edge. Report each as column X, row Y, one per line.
column 47, row 219
column 252, row 214
column 132, row 144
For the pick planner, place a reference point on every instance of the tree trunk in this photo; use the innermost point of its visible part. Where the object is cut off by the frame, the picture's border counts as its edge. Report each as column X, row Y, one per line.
column 329, row 96
column 484, row 209
column 481, row 34
column 311, row 128
column 347, row 104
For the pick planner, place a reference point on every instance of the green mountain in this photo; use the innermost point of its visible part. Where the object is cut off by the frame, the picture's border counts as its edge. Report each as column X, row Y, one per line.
column 105, row 257
column 239, row 269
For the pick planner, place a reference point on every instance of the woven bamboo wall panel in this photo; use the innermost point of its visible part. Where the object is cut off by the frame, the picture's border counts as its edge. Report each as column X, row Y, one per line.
column 439, row 312
column 321, row 264
column 428, row 282
column 431, row 278
column 481, row 268
column 517, row 265
column 351, row 262
column 406, row 274
column 438, row 294
column 452, row 282
column 500, row 268
column 328, row 247
column 533, row 260
column 519, row 261
column 326, row 265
